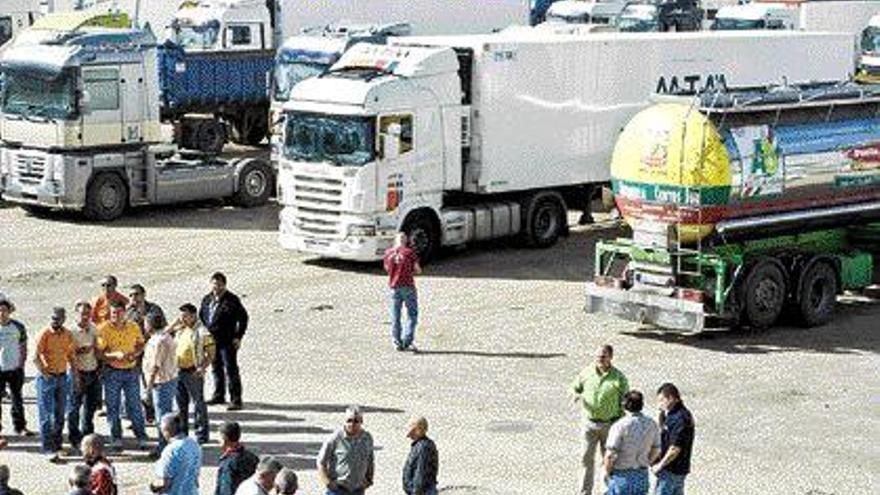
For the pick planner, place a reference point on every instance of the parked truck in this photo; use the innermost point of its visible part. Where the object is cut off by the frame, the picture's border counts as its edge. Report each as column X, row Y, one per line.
column 81, row 130
column 849, row 16
column 15, row 16
column 869, row 57
column 743, row 203
column 468, row 138
column 584, row 12
column 661, row 15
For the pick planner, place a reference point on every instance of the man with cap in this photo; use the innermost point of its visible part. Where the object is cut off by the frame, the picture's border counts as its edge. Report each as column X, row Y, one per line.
column 195, row 352
column 101, row 304
column 56, row 353
column 346, row 462
column 120, row 343
column 13, row 353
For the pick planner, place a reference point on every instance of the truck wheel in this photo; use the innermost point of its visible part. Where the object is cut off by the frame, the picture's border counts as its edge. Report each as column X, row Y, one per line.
column 105, row 198
column 762, row 295
column 818, row 294
column 424, row 236
column 545, row 221
column 211, row 136
column 254, row 185
column 252, row 127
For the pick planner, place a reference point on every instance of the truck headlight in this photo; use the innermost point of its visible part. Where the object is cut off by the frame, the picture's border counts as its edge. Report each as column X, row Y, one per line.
column 58, row 169
column 362, row 230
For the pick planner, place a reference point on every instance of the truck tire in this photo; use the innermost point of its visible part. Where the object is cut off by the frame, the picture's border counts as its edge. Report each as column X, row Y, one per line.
column 106, row 197
column 211, row 136
column 762, row 294
column 423, row 234
column 252, row 127
column 254, row 184
column 545, row 220
column 817, row 295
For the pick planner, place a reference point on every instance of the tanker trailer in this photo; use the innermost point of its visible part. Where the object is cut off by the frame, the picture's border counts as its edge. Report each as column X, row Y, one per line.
column 742, row 203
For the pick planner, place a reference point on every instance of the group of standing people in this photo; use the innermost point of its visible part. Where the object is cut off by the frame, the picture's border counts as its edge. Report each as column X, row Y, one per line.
column 114, row 346
column 631, row 444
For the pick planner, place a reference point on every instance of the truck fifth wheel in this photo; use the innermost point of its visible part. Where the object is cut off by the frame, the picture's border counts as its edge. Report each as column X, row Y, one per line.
column 742, row 203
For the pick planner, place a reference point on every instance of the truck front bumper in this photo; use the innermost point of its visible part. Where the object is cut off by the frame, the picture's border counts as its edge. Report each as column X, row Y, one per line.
column 48, row 194
column 353, row 248
column 646, row 308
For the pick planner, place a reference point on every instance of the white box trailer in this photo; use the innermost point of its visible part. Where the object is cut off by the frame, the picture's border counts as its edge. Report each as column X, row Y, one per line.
column 838, row 16
column 456, row 139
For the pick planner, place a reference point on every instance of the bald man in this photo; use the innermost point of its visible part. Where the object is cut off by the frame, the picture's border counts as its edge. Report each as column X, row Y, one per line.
column 423, row 462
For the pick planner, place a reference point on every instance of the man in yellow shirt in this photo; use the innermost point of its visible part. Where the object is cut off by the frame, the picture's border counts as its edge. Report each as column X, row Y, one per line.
column 195, row 351
column 55, row 354
column 120, row 342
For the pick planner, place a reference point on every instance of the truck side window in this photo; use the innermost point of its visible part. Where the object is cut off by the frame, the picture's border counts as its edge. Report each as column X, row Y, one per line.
column 406, row 130
column 239, row 35
column 5, row 29
column 102, row 86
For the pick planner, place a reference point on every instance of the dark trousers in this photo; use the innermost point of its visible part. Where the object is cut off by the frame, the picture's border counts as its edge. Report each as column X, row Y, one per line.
column 15, row 380
column 225, row 368
column 190, row 387
column 82, row 405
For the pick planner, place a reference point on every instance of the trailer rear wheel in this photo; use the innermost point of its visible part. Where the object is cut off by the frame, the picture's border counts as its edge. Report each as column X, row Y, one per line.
column 211, row 136
column 545, row 221
column 818, row 294
column 105, row 198
column 762, row 294
column 423, row 234
column 254, row 184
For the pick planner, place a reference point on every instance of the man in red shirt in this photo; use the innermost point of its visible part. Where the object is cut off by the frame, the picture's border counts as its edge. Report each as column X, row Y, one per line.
column 101, row 304
column 402, row 263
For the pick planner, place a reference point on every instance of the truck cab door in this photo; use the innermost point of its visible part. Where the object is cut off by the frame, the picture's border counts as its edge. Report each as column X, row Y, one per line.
column 101, row 106
column 133, row 93
column 396, row 179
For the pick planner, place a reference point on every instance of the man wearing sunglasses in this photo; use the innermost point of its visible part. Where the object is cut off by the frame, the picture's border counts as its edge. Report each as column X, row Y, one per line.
column 345, row 462
column 101, row 304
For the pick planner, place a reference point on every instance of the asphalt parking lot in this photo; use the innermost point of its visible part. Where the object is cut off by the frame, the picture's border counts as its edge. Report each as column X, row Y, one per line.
column 788, row 411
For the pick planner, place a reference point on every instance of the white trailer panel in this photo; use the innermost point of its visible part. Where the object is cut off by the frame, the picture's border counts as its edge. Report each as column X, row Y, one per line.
column 837, row 16
column 547, row 112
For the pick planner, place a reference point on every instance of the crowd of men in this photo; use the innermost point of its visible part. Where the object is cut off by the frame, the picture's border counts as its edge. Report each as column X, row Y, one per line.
column 631, row 444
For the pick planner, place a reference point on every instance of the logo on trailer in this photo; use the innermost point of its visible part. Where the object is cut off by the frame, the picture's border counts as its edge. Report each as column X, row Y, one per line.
column 690, row 84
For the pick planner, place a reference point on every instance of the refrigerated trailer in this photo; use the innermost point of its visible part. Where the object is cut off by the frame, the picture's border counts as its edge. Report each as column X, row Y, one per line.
column 468, row 138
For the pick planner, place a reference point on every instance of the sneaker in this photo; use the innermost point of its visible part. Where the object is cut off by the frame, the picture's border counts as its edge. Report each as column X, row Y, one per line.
column 235, row 406
column 399, row 347
column 215, row 401
column 24, row 432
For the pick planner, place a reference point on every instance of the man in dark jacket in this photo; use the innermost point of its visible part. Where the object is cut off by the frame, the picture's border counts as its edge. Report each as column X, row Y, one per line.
column 224, row 316
column 236, row 463
column 423, row 463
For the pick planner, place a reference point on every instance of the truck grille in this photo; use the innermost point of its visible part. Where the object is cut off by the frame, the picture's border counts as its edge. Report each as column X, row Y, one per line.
column 30, row 168
column 318, row 205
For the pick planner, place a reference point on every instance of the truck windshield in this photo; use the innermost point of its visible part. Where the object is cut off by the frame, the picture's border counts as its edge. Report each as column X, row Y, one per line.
column 871, row 39
column 287, row 74
column 732, row 24
column 339, row 139
column 5, row 29
column 637, row 24
column 196, row 37
column 28, row 95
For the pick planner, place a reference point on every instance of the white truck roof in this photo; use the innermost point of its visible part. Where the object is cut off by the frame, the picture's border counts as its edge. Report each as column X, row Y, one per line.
column 750, row 11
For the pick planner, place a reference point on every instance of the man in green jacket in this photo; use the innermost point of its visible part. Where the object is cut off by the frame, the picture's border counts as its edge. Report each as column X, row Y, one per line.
column 599, row 389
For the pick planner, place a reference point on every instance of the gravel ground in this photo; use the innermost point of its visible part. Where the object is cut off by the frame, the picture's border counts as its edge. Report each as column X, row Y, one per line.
column 790, row 411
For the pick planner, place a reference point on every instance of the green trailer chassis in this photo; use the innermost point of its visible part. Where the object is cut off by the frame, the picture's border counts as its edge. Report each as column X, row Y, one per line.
column 703, row 281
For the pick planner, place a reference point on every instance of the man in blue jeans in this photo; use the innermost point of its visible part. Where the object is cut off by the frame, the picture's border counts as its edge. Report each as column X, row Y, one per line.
column 85, row 391
column 120, row 343
column 54, row 356
column 633, row 445
column 402, row 263
column 677, row 441
column 159, row 366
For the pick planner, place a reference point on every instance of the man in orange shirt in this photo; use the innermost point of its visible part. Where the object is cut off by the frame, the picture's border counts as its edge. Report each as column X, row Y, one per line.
column 56, row 351
column 120, row 343
column 101, row 304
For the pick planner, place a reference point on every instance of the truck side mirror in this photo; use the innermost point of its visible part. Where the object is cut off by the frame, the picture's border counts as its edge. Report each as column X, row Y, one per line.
column 391, row 142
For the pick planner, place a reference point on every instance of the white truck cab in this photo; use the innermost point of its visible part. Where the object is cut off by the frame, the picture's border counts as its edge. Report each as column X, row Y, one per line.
column 226, row 25
column 756, row 16
column 869, row 57
column 584, row 12
column 15, row 16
